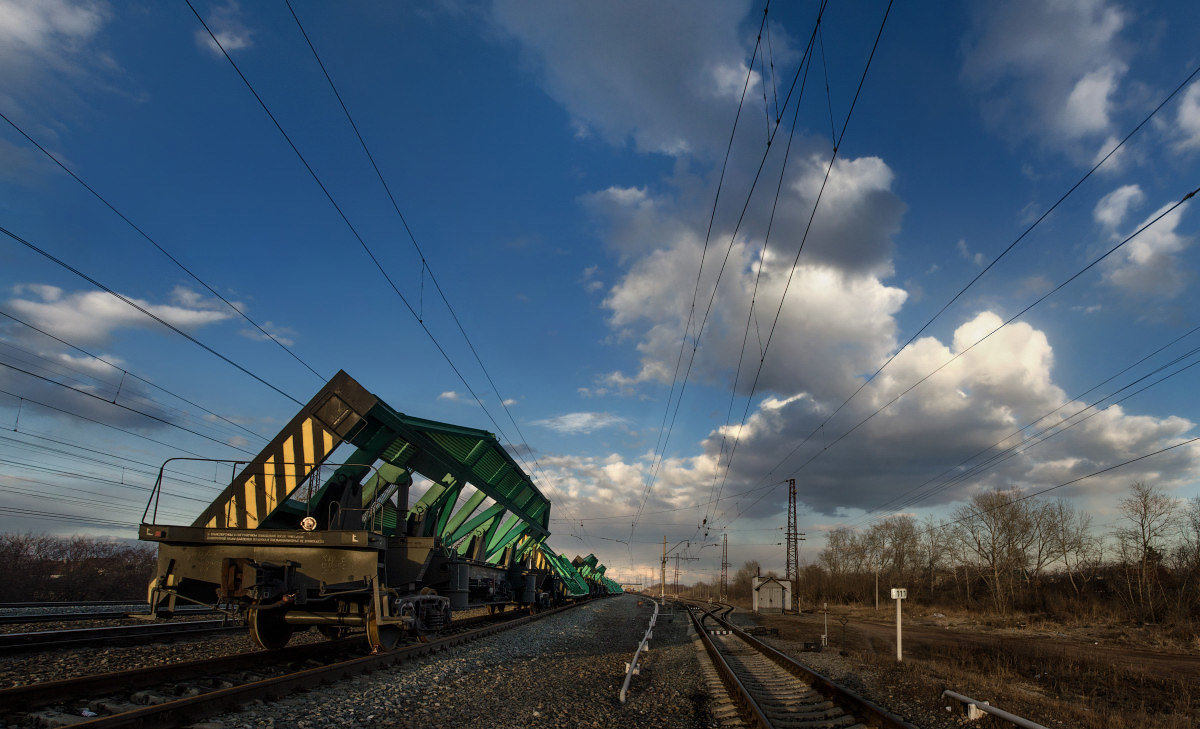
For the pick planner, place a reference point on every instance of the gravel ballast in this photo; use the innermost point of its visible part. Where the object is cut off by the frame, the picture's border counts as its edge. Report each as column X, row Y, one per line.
column 563, row 671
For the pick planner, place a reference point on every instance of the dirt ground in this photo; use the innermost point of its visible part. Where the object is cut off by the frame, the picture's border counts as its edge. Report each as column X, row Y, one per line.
column 1083, row 676
column 920, row 634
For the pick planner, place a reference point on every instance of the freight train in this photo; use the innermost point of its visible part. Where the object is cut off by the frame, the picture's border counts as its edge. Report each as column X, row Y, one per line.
column 296, row 541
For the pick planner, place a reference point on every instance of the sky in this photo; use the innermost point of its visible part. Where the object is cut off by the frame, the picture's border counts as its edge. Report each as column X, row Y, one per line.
column 672, row 254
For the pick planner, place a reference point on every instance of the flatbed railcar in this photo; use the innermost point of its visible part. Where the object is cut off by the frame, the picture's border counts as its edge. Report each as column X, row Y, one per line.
column 292, row 549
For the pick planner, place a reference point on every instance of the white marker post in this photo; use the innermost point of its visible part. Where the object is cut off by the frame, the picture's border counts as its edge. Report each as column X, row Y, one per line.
column 898, row 594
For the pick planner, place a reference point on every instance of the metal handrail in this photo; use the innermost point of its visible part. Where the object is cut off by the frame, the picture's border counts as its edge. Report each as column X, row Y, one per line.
column 988, row 708
column 641, row 646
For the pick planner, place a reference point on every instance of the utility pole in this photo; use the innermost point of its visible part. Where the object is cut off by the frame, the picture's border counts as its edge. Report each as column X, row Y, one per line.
column 676, row 581
column 662, row 581
column 793, row 539
column 724, row 568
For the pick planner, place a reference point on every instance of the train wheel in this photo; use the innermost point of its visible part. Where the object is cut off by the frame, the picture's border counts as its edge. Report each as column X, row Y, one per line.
column 382, row 637
column 268, row 628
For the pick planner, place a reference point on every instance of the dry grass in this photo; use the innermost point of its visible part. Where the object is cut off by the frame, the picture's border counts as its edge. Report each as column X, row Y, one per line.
column 1039, row 683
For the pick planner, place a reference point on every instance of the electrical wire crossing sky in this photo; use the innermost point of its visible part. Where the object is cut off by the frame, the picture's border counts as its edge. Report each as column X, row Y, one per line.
column 671, row 254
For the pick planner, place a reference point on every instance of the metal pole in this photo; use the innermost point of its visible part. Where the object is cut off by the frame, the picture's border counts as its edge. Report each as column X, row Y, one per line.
column 899, row 654
column 983, row 707
column 662, row 581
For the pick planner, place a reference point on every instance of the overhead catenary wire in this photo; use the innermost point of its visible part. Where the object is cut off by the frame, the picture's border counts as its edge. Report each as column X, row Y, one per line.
column 64, row 411
column 134, row 375
column 106, row 401
column 47, row 255
column 239, row 310
column 659, row 446
column 664, row 440
column 962, row 352
column 425, row 267
column 1045, row 434
column 1025, row 233
column 800, row 249
column 346, row 220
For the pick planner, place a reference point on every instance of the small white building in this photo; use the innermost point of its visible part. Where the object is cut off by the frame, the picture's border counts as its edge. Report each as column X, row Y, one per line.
column 770, row 594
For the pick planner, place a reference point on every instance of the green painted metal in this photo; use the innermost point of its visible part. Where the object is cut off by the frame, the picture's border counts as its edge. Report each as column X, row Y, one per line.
column 451, row 457
column 572, row 581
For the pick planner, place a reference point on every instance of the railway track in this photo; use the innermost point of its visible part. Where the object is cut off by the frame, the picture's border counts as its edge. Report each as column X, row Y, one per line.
column 772, row 690
column 178, row 694
column 40, row 640
column 51, row 615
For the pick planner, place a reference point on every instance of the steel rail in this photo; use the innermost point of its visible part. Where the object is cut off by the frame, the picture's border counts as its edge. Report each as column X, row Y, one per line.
column 189, row 710
column 76, row 637
column 739, row 692
column 870, row 713
column 18, row 618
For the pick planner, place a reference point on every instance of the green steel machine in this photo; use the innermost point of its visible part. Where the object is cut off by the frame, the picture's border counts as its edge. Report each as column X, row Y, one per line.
column 291, row 548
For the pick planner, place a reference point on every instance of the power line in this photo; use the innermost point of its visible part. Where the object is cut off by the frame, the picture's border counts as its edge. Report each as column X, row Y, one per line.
column 160, row 320
column 807, row 229
column 413, row 239
column 1011, row 319
column 99, row 461
column 996, row 260
column 1043, row 435
column 366, row 248
column 155, row 243
column 131, row 374
column 149, row 416
column 805, row 63
column 24, row 399
column 1076, row 275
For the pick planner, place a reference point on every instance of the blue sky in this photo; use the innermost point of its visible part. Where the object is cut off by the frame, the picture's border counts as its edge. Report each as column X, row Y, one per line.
column 557, row 164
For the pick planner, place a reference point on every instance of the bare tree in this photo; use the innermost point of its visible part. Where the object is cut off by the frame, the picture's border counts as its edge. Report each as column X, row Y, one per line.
column 933, row 548
column 997, row 530
column 1072, row 543
column 1148, row 516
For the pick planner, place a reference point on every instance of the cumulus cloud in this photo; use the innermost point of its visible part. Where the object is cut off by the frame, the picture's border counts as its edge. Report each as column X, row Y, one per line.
column 574, row 423
column 50, row 50
column 450, row 395
column 91, row 317
column 1188, row 119
column 620, row 77
column 1112, row 208
column 1150, row 264
column 835, row 295
column 979, row 400
column 1037, row 80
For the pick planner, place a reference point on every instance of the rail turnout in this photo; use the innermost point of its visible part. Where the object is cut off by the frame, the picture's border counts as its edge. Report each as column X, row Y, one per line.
column 773, row 690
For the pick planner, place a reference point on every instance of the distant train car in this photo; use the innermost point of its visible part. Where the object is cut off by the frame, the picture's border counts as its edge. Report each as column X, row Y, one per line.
column 348, row 552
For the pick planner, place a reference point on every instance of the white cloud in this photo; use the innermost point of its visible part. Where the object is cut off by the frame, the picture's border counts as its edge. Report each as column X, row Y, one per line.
column 284, row 335
column 44, row 27
column 91, row 317
column 1188, row 119
column 230, row 30
column 970, row 405
column 581, row 422
column 1086, row 109
column 509, row 402
column 49, row 50
column 1037, row 78
column 977, row 258
column 450, row 395
column 595, row 59
column 1113, row 207
column 1150, row 265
